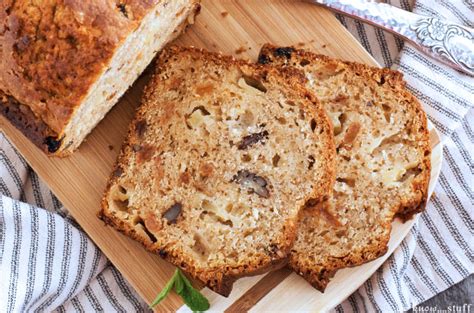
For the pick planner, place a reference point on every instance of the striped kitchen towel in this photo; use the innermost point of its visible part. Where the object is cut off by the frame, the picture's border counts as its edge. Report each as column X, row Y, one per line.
column 47, row 263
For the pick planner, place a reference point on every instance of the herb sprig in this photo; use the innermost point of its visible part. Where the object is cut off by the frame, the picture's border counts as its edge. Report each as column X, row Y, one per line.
column 191, row 297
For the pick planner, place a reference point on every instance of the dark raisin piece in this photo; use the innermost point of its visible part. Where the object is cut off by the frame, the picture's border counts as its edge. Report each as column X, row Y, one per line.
column 173, row 212
column 311, row 162
column 313, row 124
column 122, row 9
column 382, row 80
column 283, row 52
column 304, row 62
column 310, row 203
column 252, row 139
column 276, row 158
column 140, row 128
column 52, row 143
column 118, row 172
column 263, row 59
column 71, row 40
column 253, row 182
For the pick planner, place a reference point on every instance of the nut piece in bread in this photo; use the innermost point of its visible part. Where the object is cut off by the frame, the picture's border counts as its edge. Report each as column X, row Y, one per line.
column 383, row 162
column 220, row 158
column 64, row 64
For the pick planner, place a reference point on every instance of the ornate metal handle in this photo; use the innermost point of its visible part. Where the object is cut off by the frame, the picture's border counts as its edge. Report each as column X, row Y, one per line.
column 448, row 42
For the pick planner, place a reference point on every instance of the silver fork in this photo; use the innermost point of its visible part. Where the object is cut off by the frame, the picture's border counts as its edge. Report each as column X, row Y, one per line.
column 450, row 43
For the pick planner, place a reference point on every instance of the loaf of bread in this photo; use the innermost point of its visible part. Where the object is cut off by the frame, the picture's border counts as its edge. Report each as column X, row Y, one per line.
column 219, row 159
column 64, row 64
column 382, row 162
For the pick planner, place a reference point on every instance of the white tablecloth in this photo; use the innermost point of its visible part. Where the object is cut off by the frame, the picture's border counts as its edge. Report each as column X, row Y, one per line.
column 47, row 263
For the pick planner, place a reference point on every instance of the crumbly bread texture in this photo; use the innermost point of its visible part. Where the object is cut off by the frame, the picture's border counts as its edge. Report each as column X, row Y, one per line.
column 64, row 64
column 382, row 162
column 219, row 159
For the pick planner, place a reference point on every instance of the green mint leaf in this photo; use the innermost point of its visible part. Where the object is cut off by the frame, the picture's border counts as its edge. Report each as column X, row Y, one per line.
column 179, row 284
column 182, row 286
column 194, row 300
column 164, row 292
column 192, row 297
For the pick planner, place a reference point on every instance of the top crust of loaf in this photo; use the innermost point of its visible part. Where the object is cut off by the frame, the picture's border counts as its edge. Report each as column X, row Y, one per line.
column 327, row 235
column 78, row 37
column 53, row 53
column 218, row 275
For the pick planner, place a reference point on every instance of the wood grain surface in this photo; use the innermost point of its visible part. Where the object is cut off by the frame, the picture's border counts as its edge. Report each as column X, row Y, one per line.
column 234, row 27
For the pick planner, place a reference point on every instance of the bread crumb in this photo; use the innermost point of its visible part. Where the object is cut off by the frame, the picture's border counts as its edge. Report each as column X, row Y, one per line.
column 111, row 147
column 324, row 46
column 300, row 44
column 224, row 13
column 240, row 50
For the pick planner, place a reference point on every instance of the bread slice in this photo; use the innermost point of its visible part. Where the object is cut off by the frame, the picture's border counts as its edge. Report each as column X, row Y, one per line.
column 220, row 158
column 64, row 64
column 383, row 162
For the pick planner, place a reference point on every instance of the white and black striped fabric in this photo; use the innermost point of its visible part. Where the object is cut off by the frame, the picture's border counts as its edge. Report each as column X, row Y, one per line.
column 48, row 264
column 438, row 252
column 46, row 261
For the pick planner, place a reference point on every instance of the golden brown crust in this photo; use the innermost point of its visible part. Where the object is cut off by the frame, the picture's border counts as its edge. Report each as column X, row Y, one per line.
column 319, row 275
column 221, row 280
column 53, row 53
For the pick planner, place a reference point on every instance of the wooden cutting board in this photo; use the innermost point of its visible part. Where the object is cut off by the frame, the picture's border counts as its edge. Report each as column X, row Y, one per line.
column 233, row 27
